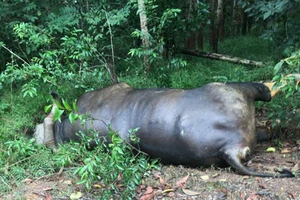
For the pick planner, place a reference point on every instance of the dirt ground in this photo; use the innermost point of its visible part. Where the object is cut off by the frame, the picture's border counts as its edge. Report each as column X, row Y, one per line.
column 178, row 182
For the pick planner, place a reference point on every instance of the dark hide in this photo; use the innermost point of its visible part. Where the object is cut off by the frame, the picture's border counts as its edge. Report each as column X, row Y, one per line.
column 213, row 124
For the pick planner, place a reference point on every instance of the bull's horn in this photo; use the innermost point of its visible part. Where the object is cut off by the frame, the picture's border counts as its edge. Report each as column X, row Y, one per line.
column 276, row 90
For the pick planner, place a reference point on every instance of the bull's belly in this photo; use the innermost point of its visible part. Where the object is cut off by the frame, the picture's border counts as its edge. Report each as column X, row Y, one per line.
column 182, row 156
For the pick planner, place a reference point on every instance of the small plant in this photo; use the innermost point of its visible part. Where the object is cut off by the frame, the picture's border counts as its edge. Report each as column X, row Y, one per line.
column 111, row 165
column 289, row 86
column 22, row 158
column 114, row 166
column 278, row 143
column 290, row 65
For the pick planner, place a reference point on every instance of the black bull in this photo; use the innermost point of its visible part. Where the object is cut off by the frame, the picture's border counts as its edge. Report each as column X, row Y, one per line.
column 213, row 124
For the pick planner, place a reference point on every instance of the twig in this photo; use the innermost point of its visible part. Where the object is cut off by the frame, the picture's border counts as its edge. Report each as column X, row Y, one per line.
column 22, row 160
column 10, row 51
column 5, row 182
column 111, row 41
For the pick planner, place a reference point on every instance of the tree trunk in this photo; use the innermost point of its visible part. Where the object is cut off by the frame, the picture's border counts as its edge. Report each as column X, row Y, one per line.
column 220, row 20
column 244, row 23
column 234, row 18
column 145, row 32
column 111, row 65
column 112, row 73
column 212, row 29
column 190, row 42
column 200, row 38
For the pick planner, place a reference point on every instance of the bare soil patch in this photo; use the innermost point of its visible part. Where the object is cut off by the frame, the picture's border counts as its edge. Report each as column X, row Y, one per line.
column 178, row 182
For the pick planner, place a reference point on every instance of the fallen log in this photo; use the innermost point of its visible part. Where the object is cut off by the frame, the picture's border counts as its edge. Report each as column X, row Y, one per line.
column 228, row 58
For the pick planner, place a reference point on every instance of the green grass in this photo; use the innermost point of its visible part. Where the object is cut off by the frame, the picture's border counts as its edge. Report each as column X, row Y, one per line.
column 252, row 48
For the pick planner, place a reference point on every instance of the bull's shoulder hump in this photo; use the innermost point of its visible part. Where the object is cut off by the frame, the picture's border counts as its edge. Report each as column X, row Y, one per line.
column 116, row 89
column 121, row 85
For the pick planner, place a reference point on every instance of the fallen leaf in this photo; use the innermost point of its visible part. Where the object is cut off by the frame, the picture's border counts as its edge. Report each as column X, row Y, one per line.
column 97, row 186
column 262, row 185
column 161, row 181
column 271, row 149
column 253, row 196
column 148, row 194
column 47, row 189
column 242, row 194
column 171, row 194
column 286, row 150
column 224, row 191
column 245, row 178
column 190, row 192
column 181, row 183
column 140, row 188
column 156, row 175
column 120, row 177
column 27, row 180
column 68, row 182
column 60, row 170
column 168, row 190
column 48, row 197
column 76, row 195
column 149, row 190
column 205, row 177
column 294, row 196
column 295, row 168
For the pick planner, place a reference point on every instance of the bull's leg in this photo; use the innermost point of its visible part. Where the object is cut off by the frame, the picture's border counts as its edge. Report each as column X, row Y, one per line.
column 263, row 134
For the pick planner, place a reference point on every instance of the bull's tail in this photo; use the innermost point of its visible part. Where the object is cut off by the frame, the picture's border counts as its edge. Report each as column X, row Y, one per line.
column 233, row 157
column 276, row 90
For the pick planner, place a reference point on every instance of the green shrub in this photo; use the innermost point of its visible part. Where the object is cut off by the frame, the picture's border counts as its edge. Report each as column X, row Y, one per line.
column 113, row 166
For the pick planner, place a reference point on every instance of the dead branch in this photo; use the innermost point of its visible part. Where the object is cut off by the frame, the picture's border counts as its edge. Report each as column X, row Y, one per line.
column 224, row 57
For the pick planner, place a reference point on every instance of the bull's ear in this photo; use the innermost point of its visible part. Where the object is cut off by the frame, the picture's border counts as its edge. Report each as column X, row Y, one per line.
column 273, row 90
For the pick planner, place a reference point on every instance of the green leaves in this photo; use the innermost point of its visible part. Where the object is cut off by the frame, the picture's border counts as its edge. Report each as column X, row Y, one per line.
column 73, row 117
column 76, row 50
column 278, row 66
column 65, row 106
column 57, row 114
column 29, row 89
column 290, row 65
column 112, row 166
